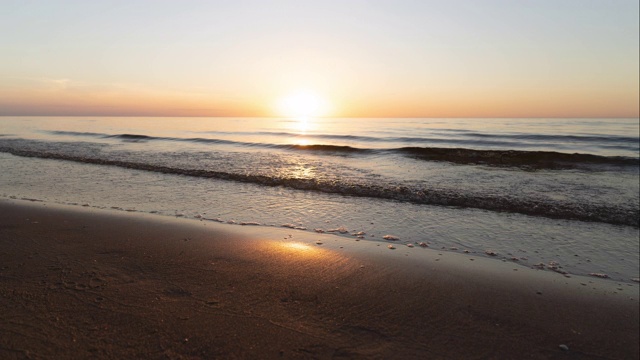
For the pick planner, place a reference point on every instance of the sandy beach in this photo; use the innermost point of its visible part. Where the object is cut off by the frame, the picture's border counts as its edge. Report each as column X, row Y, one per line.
column 86, row 283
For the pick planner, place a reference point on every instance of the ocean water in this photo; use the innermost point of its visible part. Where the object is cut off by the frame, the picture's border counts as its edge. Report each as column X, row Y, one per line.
column 556, row 194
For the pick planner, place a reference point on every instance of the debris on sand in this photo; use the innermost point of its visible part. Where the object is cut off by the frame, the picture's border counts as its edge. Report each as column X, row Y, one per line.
column 391, row 247
column 555, row 266
column 600, row 275
column 391, row 237
column 490, row 252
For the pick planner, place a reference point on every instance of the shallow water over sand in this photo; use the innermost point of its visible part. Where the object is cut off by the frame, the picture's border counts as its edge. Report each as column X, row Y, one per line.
column 577, row 247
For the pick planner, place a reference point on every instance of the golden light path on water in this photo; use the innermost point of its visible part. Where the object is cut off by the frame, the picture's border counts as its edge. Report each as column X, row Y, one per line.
column 302, row 126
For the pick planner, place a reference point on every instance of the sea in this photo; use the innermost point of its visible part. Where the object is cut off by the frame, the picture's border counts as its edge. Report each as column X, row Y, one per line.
column 557, row 195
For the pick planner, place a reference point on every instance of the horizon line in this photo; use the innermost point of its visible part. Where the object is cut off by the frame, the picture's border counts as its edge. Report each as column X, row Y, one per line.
column 336, row 117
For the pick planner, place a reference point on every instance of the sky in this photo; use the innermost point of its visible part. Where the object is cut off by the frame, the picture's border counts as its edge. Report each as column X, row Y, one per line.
column 348, row 58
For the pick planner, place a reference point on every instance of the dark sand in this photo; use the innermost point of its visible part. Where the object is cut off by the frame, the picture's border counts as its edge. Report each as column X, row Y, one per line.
column 85, row 283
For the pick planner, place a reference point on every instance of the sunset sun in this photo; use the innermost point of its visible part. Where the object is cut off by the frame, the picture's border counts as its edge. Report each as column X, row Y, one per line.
column 302, row 104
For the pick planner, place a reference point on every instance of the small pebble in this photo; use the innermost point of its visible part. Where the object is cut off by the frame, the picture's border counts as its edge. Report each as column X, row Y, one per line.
column 391, row 247
column 564, row 347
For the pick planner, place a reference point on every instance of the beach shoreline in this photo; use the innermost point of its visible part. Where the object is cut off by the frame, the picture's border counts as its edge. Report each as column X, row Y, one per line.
column 87, row 283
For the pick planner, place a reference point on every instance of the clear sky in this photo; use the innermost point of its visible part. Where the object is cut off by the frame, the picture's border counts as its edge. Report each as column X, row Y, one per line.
column 424, row 58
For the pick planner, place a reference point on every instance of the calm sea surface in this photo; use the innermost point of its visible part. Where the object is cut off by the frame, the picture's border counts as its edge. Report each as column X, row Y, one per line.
column 561, row 192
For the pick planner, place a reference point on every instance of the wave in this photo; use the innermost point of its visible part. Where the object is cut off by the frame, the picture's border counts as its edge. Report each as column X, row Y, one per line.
column 457, row 133
column 504, row 158
column 466, row 135
column 533, row 159
column 559, row 138
column 611, row 214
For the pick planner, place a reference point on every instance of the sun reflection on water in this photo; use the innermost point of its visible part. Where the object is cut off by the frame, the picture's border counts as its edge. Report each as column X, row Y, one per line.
column 302, row 172
column 302, row 126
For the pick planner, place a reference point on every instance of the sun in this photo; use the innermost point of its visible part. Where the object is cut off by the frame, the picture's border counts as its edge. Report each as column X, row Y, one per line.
column 302, row 104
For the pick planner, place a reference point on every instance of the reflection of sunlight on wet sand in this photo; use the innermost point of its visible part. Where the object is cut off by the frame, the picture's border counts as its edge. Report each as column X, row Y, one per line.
column 298, row 246
column 299, row 249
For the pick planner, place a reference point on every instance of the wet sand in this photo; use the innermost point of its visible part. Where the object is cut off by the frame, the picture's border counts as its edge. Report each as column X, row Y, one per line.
column 86, row 283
